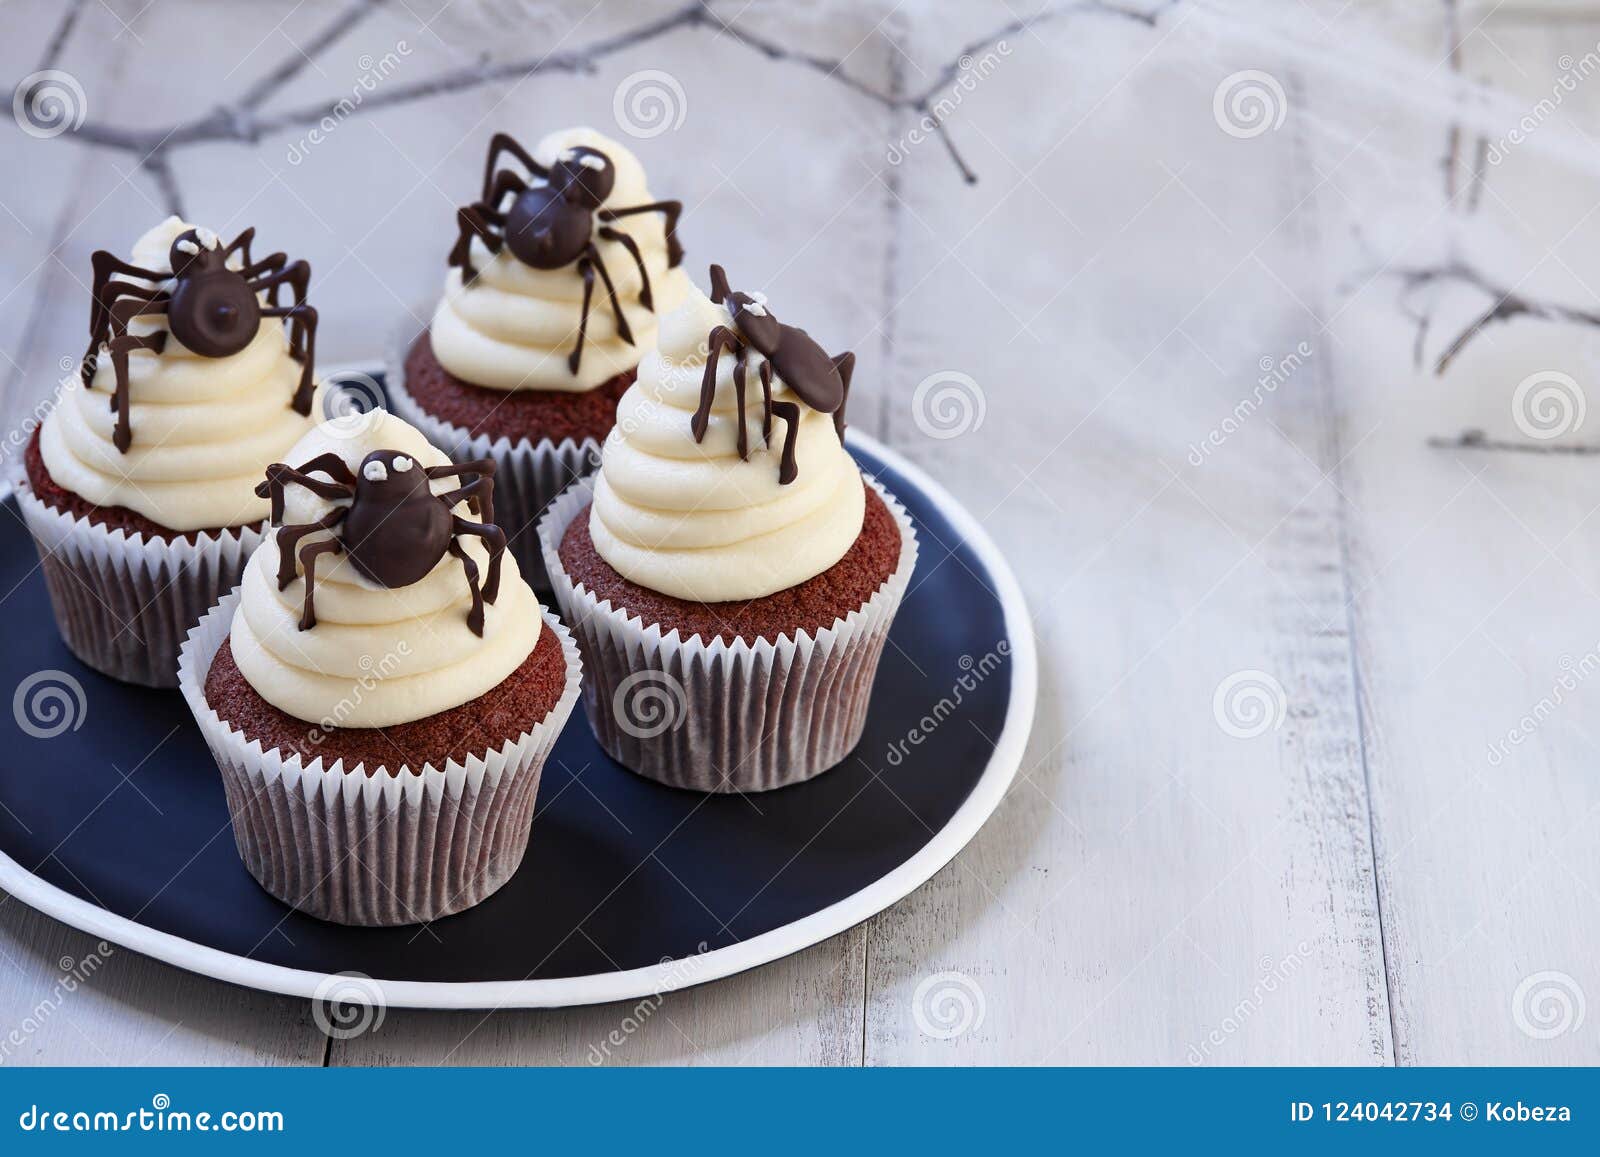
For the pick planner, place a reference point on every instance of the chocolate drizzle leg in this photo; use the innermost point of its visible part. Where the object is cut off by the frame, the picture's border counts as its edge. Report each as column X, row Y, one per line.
column 551, row 223
column 820, row 381
column 212, row 308
column 394, row 527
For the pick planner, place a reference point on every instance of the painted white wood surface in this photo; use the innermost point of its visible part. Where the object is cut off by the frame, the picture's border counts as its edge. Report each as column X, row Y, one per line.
column 1357, row 885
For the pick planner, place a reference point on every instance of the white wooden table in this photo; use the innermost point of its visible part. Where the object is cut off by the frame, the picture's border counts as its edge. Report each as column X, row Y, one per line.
column 1213, row 442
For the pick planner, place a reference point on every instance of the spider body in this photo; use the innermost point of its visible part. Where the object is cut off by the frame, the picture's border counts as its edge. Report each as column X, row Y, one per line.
column 213, row 310
column 395, row 529
column 210, row 300
column 552, row 222
column 819, row 379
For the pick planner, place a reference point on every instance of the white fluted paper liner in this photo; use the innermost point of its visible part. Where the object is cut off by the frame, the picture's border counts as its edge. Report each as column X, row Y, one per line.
column 379, row 849
column 123, row 602
column 527, row 476
column 724, row 717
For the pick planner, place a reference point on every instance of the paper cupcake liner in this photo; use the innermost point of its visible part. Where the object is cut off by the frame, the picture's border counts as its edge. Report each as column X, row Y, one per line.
column 527, row 476
column 724, row 717
column 379, row 849
column 124, row 603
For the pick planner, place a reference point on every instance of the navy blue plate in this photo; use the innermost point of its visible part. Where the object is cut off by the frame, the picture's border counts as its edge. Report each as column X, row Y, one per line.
column 125, row 813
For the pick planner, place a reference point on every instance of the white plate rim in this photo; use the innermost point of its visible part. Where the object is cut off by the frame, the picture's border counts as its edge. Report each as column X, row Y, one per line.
column 668, row 976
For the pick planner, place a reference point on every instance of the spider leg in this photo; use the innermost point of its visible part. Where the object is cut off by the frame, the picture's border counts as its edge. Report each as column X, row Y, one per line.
column 100, row 329
column 272, row 263
column 289, row 541
column 477, row 220
column 302, row 328
column 669, row 210
column 495, row 539
column 623, row 331
column 766, row 402
column 506, row 143
column 308, row 561
column 470, row 568
column 721, row 338
column 470, row 492
column 788, row 468
column 645, row 297
column 241, row 245
column 845, row 363
column 107, row 266
column 505, row 181
column 738, row 398
column 304, row 319
column 586, row 271
column 478, row 491
column 719, row 285
column 122, row 344
column 280, row 474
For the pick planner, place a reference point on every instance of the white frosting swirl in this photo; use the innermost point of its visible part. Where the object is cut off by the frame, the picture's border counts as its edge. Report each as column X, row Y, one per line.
column 204, row 429
column 377, row 656
column 691, row 519
column 515, row 326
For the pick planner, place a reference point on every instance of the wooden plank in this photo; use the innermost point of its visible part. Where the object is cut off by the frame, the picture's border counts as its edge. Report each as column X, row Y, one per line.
column 1472, row 570
column 68, row 999
column 803, row 1010
column 1154, row 889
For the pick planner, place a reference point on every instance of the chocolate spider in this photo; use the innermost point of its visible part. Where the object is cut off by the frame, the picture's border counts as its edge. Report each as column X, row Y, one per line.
column 395, row 528
column 210, row 307
column 821, row 381
column 551, row 223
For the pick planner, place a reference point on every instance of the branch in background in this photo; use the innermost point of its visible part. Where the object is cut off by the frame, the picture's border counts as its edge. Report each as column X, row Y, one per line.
column 1478, row 440
column 1506, row 305
column 238, row 121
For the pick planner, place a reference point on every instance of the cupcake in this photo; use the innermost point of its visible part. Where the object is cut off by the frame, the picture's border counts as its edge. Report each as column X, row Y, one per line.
column 382, row 690
column 556, row 280
column 140, row 483
column 729, row 573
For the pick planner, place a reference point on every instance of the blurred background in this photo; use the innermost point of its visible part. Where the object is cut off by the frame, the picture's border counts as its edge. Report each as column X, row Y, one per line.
column 1259, row 336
